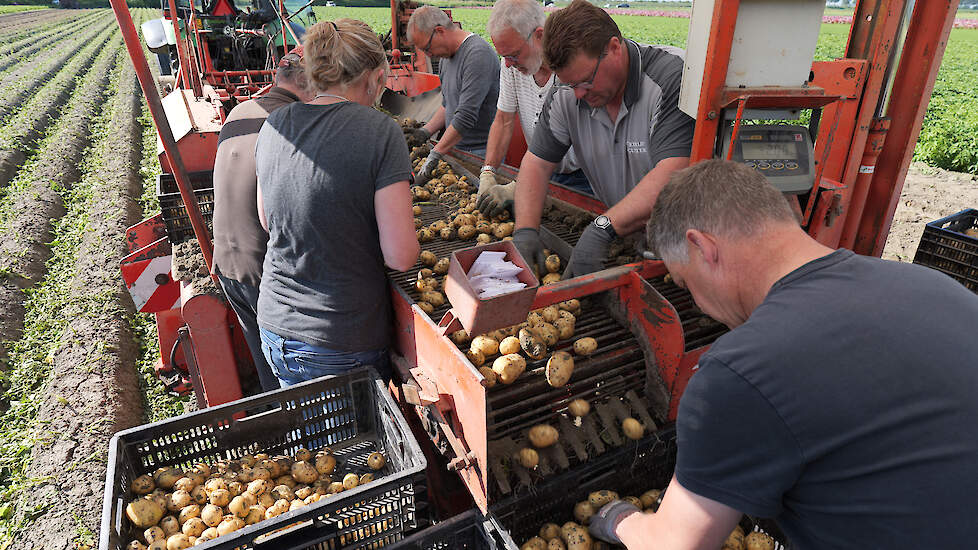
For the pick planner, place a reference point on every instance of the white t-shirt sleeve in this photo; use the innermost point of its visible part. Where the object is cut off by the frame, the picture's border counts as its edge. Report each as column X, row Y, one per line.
column 507, row 101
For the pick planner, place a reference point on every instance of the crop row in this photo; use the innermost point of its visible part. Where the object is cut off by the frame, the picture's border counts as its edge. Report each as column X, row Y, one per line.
column 73, row 367
column 18, row 86
column 17, row 51
column 17, row 22
column 18, row 138
column 17, row 39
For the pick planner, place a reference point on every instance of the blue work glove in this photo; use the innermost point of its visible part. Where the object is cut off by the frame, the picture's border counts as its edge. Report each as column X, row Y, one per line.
column 589, row 253
column 497, row 198
column 428, row 168
column 603, row 524
column 527, row 241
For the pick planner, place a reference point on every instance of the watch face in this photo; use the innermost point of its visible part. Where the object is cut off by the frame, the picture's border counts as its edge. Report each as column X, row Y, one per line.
column 602, row 221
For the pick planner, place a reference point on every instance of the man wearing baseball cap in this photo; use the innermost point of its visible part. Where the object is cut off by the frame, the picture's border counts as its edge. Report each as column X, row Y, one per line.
column 239, row 240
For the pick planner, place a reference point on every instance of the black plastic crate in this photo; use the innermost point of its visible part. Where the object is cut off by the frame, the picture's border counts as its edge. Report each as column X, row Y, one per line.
column 466, row 531
column 630, row 471
column 944, row 246
column 353, row 414
column 175, row 216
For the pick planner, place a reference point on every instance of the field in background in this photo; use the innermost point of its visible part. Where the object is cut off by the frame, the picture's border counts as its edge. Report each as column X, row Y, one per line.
column 14, row 9
column 948, row 139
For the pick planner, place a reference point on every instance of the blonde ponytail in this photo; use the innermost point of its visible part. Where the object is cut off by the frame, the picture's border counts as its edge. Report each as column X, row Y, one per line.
column 338, row 53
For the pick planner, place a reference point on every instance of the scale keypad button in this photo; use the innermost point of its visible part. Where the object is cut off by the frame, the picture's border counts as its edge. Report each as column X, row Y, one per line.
column 763, row 165
column 792, row 166
column 777, row 165
column 751, row 164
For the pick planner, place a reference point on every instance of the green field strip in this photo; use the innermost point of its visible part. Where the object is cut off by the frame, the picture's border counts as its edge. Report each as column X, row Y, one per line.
column 24, row 49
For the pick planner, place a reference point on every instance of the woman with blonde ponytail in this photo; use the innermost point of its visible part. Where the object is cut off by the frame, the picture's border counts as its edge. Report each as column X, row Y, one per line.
column 333, row 193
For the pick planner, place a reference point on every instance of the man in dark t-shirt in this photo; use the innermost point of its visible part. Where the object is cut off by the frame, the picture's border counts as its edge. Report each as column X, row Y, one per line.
column 843, row 404
column 239, row 240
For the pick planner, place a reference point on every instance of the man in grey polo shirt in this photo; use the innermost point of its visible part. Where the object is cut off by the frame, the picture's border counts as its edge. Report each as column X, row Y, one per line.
column 618, row 109
column 469, row 72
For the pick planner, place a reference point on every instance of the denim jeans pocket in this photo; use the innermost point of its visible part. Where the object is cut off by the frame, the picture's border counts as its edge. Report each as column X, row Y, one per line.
column 314, row 365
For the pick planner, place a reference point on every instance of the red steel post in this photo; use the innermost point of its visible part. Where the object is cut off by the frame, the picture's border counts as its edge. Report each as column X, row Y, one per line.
column 135, row 49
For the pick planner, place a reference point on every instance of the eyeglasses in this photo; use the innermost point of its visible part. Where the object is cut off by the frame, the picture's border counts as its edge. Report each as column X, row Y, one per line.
column 589, row 83
column 516, row 57
column 427, row 47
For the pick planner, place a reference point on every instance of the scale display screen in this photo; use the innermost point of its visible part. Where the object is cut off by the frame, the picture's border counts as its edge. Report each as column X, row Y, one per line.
column 762, row 151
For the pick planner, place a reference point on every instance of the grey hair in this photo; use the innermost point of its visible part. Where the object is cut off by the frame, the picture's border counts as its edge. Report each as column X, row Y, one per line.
column 426, row 18
column 523, row 16
column 292, row 71
column 719, row 197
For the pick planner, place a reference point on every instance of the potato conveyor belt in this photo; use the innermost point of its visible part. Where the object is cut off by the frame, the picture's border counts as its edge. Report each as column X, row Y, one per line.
column 699, row 329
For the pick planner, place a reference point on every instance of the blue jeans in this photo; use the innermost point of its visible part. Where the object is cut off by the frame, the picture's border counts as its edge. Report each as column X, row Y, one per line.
column 575, row 180
column 294, row 362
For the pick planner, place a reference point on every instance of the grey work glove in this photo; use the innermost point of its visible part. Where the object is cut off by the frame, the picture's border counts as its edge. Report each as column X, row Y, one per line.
column 527, row 241
column 496, row 199
column 419, row 134
column 428, row 168
column 589, row 253
column 603, row 524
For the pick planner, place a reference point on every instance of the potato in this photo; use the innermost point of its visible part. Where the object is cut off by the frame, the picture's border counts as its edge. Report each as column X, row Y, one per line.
column 428, row 258
column 466, row 232
column 475, row 357
column 736, row 540
column 350, row 481
column 167, row 478
column 199, row 495
column 256, row 513
column 143, row 485
column 759, row 541
column 272, row 467
column 552, row 263
column 528, row 458
column 303, row 492
column 426, row 285
column 535, row 318
column 585, row 346
column 144, row 512
column 433, row 297
column 417, row 225
column 416, row 210
column 335, row 487
column 559, row 369
column 447, row 234
column 579, row 407
column 303, row 472
column 425, row 273
column 246, row 475
column 438, row 225
column 651, row 499
column 238, row 507
column 543, row 435
column 567, row 316
column 483, row 238
column 509, row 344
column 215, row 484
column 325, row 464
column 135, row 545
column 258, row 487
column 485, row 344
column 420, row 193
column 633, row 428
column 193, row 527
column 192, row 511
column 235, row 488
column 441, row 267
column 550, row 314
column 576, row 537
column 550, row 278
column 376, row 460
column 220, row 497
column 170, row 525
column 531, row 344
column 154, row 533
column 489, row 375
column 280, row 492
column 565, row 328
column 460, row 337
column 550, row 531
column 267, row 500
column 157, row 545
column 556, row 544
column 601, row 497
column 509, row 367
column 573, row 305
column 504, row 230
column 230, row 525
column 548, row 333
column 212, row 515
column 535, row 543
column 178, row 500
column 178, row 541
column 583, row 512
column 634, row 501
column 426, row 307
column 365, row 478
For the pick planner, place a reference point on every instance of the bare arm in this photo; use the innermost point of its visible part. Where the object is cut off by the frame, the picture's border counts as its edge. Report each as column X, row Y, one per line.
column 395, row 223
column 261, row 210
column 437, row 121
column 448, row 140
column 500, row 134
column 531, row 190
column 685, row 521
column 632, row 212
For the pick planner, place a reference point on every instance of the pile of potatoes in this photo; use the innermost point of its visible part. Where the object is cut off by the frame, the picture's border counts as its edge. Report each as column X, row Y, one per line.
column 175, row 509
column 573, row 535
column 507, row 350
column 542, row 436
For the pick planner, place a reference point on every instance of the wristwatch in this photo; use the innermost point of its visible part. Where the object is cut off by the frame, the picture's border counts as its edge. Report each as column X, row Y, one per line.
column 603, row 223
column 487, row 167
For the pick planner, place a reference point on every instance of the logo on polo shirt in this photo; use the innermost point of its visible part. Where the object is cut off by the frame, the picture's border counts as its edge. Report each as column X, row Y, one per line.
column 636, row 147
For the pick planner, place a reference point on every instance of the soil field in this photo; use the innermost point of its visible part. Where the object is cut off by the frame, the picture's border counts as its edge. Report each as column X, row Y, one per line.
column 77, row 166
